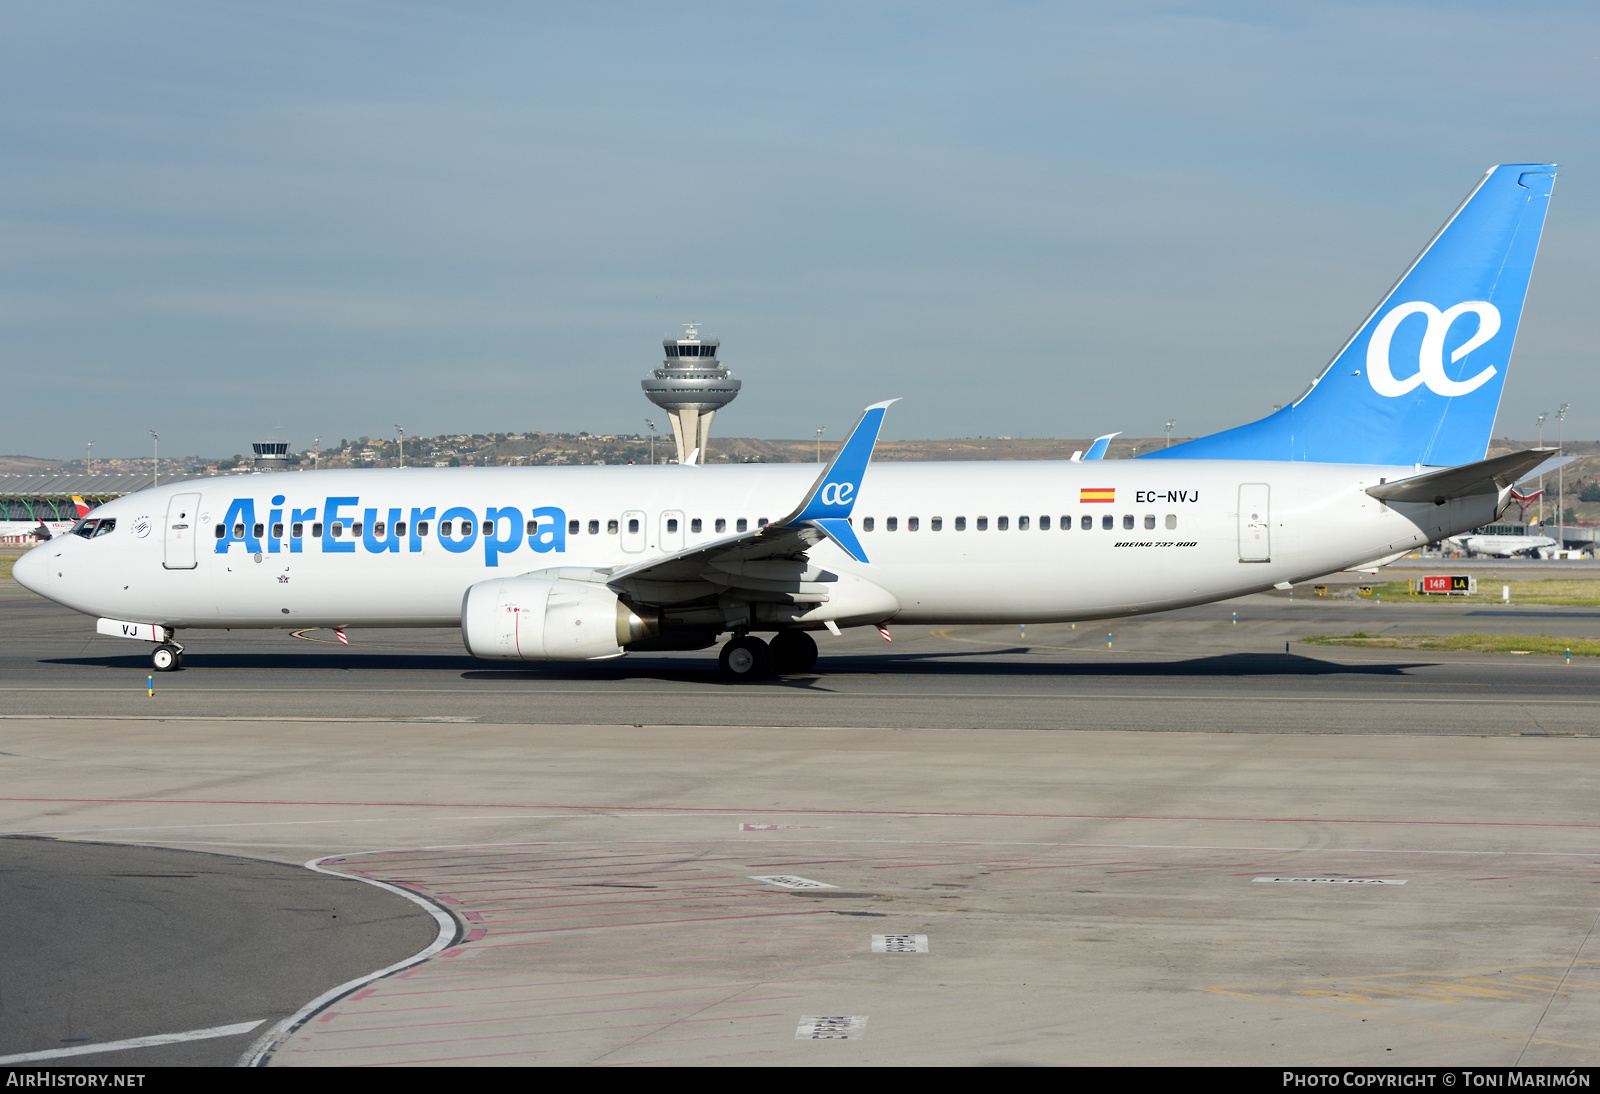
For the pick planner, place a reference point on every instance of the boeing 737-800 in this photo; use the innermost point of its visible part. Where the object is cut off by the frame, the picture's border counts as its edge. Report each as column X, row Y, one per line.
column 1384, row 453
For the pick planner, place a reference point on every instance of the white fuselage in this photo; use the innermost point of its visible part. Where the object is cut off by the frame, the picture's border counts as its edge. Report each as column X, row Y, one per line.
column 1502, row 546
column 993, row 542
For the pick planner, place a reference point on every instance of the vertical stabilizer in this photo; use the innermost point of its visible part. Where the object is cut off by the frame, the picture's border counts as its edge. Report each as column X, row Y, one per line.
column 1420, row 381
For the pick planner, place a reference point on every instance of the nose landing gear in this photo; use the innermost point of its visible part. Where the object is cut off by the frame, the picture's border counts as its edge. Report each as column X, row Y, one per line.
column 167, row 657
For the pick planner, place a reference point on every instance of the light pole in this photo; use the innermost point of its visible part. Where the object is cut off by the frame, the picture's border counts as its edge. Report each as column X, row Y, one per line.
column 819, row 444
column 1561, row 485
column 156, row 439
column 88, row 459
column 316, row 453
column 651, row 426
column 1170, row 423
column 402, row 435
column 1542, row 415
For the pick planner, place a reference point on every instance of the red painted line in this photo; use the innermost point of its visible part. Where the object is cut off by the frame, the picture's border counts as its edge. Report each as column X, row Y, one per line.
column 559, row 998
column 1062, row 865
column 674, row 1005
column 637, row 897
column 475, row 935
column 362, row 994
column 723, row 810
column 330, row 1016
column 536, row 1033
column 476, row 917
column 952, row 862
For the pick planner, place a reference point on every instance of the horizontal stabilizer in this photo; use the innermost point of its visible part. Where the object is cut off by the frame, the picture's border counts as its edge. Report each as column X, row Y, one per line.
column 1484, row 477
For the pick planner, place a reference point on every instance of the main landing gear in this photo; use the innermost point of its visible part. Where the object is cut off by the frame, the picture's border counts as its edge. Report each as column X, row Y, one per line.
column 167, row 657
column 748, row 658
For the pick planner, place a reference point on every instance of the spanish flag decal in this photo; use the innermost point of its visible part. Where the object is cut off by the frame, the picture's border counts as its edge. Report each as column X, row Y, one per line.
column 1090, row 494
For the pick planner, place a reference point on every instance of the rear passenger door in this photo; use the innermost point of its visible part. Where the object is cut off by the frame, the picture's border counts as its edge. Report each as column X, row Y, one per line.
column 1255, row 522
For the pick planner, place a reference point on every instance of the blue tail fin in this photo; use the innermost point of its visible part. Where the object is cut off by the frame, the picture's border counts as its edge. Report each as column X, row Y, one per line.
column 1420, row 381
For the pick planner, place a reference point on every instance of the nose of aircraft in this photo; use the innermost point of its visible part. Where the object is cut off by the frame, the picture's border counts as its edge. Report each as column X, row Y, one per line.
column 29, row 569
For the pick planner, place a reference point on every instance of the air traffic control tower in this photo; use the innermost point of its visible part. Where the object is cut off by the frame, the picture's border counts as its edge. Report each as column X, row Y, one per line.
column 691, row 386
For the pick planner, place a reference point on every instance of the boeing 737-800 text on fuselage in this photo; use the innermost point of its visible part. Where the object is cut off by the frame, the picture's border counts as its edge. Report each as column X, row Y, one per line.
column 1384, row 453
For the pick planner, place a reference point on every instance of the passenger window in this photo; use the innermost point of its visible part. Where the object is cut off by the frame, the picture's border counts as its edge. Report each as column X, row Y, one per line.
column 611, row 527
column 446, row 528
column 488, row 527
column 741, row 525
column 1002, row 524
column 1044, row 524
column 1127, row 520
column 722, row 524
column 911, row 524
column 694, row 526
column 633, row 526
column 277, row 531
column 935, row 524
column 316, row 530
column 238, row 531
column 338, row 531
column 762, row 522
column 1066, row 523
column 355, row 528
column 533, row 526
column 1107, row 522
column 961, row 524
column 572, row 527
column 1022, row 524
column 1088, row 522
column 594, row 527
column 222, row 530
column 891, row 524
column 298, row 531
column 1172, row 521
column 1149, row 520
column 399, row 528
column 866, row 524
column 377, row 528
column 422, row 527
column 672, row 525
column 983, row 524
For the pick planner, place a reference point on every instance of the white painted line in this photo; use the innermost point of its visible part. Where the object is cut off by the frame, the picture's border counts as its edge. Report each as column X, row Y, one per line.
column 836, row 1027
column 133, row 1042
column 256, row 1054
column 899, row 943
column 789, row 881
column 780, row 827
column 1331, row 880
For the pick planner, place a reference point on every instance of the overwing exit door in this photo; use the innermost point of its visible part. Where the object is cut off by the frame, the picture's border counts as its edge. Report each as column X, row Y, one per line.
column 180, row 532
column 633, row 531
column 1255, row 522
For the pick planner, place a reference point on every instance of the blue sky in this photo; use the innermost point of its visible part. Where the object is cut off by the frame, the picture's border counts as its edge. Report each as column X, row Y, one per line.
column 219, row 219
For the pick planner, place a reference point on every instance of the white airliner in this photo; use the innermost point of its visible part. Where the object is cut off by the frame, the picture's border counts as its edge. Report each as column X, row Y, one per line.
column 1384, row 453
column 1500, row 543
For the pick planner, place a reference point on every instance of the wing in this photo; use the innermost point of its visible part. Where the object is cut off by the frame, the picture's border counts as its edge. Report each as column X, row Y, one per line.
column 770, row 564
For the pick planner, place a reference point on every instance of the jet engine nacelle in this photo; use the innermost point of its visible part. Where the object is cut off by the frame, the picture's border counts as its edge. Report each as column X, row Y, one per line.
column 543, row 617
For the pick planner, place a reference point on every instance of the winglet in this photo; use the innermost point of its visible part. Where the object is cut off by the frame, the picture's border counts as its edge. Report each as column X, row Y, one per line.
column 1097, row 451
column 831, row 499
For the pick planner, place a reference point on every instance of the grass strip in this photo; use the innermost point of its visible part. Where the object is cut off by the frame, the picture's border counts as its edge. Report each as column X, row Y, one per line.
column 1575, row 592
column 1465, row 643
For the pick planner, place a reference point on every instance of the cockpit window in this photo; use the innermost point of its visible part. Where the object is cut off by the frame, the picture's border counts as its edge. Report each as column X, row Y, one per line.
column 108, row 524
column 86, row 528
